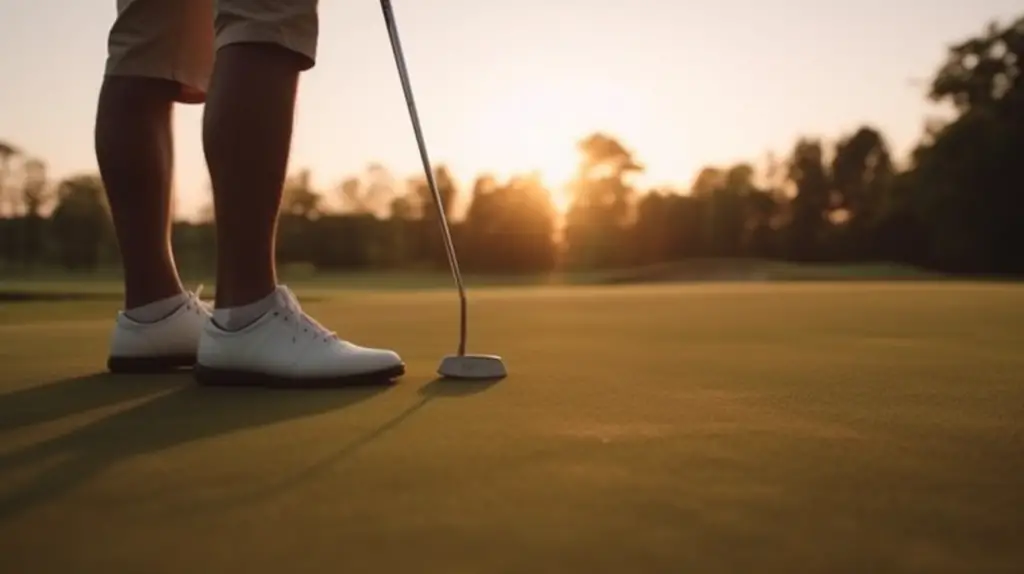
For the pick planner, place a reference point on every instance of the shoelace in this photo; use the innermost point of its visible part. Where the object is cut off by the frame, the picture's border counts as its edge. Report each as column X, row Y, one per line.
column 200, row 304
column 304, row 321
column 300, row 320
column 196, row 295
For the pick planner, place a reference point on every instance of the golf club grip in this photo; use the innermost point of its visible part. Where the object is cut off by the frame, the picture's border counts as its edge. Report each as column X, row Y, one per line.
column 403, row 75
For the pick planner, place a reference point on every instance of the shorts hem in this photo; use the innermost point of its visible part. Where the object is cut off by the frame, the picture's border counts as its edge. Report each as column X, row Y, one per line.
column 189, row 92
column 242, row 34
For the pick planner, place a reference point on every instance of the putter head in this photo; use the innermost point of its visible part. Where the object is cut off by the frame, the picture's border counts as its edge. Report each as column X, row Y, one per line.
column 479, row 367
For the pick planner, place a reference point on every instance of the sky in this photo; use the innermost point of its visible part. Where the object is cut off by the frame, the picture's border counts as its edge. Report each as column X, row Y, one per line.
column 510, row 85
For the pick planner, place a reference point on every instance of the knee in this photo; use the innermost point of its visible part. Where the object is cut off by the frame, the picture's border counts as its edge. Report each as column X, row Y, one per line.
column 128, row 92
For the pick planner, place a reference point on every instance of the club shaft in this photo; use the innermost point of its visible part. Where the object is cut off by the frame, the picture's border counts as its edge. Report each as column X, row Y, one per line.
column 403, row 74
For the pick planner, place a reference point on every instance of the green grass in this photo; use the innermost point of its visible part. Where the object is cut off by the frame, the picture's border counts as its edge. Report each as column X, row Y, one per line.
column 719, row 427
column 106, row 282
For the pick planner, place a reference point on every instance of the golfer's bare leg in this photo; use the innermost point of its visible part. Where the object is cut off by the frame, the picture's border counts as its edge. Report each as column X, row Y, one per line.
column 247, row 133
column 159, row 52
column 150, row 65
column 135, row 155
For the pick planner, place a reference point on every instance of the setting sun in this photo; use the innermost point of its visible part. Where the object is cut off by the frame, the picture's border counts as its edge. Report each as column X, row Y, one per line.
column 535, row 130
column 560, row 200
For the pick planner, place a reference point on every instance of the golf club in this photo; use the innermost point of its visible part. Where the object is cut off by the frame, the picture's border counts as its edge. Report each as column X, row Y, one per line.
column 460, row 365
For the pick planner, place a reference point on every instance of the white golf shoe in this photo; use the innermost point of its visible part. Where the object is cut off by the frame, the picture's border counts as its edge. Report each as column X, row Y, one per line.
column 287, row 348
column 164, row 345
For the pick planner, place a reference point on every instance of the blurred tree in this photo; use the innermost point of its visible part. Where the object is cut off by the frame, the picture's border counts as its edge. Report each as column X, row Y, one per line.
column 81, row 221
column 372, row 193
column 899, row 233
column 652, row 233
column 728, row 211
column 983, row 72
column 968, row 174
column 299, row 198
column 604, row 156
column 350, row 192
column 427, row 227
column 300, row 205
column 669, row 226
column 510, row 227
column 35, row 199
column 381, row 189
column 8, row 153
column 423, row 200
column 402, row 208
column 760, row 237
column 599, row 212
column 35, row 191
column 8, row 232
column 736, row 217
column 862, row 174
column 811, row 181
column 708, row 179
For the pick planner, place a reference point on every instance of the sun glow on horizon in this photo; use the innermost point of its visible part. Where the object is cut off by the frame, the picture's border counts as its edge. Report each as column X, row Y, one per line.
column 560, row 200
column 536, row 131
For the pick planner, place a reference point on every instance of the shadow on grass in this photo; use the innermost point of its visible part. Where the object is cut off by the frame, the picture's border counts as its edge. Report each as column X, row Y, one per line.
column 55, row 296
column 443, row 387
column 69, row 397
column 183, row 413
column 440, row 388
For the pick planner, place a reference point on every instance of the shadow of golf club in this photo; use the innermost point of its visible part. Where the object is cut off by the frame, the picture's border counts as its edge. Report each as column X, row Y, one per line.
column 436, row 389
column 448, row 387
column 188, row 413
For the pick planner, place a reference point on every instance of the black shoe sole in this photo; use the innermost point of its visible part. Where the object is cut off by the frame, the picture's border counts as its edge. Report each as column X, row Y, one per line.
column 147, row 365
column 233, row 378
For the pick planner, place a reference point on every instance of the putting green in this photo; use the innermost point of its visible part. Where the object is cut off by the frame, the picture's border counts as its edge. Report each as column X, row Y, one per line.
column 708, row 428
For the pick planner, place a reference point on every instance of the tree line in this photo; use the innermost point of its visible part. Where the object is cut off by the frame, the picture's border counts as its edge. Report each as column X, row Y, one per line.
column 954, row 205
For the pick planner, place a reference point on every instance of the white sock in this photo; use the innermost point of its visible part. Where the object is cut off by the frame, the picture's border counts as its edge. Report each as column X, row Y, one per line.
column 235, row 318
column 153, row 312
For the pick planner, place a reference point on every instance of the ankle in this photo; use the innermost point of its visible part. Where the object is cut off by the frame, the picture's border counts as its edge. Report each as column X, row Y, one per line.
column 149, row 275
column 234, row 317
column 230, row 297
column 140, row 295
column 156, row 310
column 248, row 281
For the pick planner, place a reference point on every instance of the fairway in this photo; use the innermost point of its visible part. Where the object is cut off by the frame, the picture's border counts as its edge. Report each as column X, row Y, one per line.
column 811, row 427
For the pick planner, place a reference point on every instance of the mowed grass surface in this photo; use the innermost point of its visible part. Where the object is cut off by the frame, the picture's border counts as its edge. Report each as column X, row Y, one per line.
column 708, row 428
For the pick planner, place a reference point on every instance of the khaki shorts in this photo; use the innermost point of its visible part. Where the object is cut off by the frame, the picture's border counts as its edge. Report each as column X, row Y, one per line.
column 176, row 39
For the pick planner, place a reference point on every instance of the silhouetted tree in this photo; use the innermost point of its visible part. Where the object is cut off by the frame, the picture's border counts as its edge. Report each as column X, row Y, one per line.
column 81, row 221
column 428, row 230
column 299, row 198
column 809, row 208
column 8, row 230
column 510, row 227
column 862, row 173
column 35, row 196
column 969, row 173
column 602, row 199
column 370, row 194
